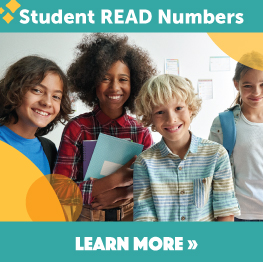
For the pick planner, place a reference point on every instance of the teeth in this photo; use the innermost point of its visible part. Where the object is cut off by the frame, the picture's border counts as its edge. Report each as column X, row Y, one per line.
column 173, row 129
column 41, row 113
column 114, row 97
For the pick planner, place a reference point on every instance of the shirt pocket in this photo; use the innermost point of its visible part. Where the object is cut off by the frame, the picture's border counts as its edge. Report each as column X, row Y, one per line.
column 216, row 129
column 202, row 189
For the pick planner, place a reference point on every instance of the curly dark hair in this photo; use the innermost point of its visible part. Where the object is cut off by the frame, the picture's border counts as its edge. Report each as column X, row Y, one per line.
column 96, row 54
column 19, row 78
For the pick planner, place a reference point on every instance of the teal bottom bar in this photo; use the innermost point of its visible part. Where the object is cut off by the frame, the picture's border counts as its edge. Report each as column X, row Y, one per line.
column 30, row 241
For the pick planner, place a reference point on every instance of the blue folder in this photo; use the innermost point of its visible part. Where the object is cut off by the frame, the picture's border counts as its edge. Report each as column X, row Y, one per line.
column 110, row 154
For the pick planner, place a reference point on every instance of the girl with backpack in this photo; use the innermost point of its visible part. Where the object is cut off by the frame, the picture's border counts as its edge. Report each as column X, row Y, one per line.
column 246, row 155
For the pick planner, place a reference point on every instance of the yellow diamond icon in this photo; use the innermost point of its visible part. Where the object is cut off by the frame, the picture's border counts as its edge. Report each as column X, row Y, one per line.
column 1, row 10
column 8, row 18
column 13, row 5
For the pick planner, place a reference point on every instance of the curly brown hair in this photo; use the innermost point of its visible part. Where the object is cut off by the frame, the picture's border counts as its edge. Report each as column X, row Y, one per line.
column 19, row 78
column 96, row 54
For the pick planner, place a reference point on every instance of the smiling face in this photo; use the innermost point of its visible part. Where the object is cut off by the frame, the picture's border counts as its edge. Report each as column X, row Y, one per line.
column 40, row 106
column 250, row 87
column 114, row 90
column 172, row 121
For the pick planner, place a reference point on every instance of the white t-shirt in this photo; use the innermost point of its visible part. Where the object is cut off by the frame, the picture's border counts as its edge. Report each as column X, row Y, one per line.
column 248, row 162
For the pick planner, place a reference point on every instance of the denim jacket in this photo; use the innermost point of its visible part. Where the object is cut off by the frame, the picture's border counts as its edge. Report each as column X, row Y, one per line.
column 216, row 133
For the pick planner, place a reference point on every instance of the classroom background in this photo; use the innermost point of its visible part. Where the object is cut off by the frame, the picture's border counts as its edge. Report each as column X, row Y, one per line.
column 193, row 51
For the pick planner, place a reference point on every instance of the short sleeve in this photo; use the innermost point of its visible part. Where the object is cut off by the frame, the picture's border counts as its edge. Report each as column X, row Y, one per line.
column 216, row 133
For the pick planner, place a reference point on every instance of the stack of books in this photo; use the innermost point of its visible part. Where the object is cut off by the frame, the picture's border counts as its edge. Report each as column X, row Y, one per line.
column 104, row 156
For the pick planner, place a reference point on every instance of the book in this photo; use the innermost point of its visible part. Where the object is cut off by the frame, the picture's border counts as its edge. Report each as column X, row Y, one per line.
column 110, row 154
column 88, row 148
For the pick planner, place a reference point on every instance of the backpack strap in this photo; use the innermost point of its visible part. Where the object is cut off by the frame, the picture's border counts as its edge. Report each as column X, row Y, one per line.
column 50, row 150
column 229, row 130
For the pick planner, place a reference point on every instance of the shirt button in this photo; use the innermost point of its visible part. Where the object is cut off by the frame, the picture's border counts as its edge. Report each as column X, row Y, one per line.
column 203, row 180
column 180, row 168
column 182, row 192
column 182, row 218
column 218, row 131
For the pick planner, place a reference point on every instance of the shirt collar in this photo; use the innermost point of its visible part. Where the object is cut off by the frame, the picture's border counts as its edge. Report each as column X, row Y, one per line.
column 165, row 149
column 236, row 107
column 236, row 111
column 106, row 120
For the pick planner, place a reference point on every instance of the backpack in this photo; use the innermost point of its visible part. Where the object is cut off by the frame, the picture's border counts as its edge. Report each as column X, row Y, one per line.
column 50, row 150
column 229, row 130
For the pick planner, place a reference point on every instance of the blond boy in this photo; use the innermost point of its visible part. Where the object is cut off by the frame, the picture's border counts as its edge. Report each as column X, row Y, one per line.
column 183, row 177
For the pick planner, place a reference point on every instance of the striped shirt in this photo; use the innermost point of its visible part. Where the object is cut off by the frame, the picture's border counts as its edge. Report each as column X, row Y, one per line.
column 197, row 188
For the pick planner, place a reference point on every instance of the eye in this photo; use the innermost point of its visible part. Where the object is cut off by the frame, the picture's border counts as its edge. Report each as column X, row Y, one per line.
column 124, row 79
column 36, row 90
column 178, row 108
column 57, row 98
column 247, row 86
column 105, row 79
column 159, row 112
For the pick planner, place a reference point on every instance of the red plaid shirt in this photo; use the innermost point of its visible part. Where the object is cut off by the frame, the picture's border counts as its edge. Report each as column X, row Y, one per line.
column 88, row 126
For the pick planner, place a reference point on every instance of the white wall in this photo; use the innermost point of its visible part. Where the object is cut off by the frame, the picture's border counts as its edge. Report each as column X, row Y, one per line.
column 192, row 49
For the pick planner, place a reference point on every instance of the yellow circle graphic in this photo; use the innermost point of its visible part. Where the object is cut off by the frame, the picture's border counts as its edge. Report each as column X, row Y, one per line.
column 236, row 45
column 27, row 195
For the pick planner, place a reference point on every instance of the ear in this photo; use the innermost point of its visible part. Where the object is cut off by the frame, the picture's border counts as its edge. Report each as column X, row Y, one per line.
column 190, row 113
column 236, row 85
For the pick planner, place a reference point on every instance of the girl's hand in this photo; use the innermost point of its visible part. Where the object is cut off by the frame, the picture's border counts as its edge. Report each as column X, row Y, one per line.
column 121, row 178
column 113, row 196
column 124, row 175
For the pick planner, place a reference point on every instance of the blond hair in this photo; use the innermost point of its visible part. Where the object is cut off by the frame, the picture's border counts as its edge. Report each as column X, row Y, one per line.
column 159, row 90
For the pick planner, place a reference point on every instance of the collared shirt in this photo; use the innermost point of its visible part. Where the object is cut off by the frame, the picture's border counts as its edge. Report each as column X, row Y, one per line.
column 88, row 127
column 197, row 188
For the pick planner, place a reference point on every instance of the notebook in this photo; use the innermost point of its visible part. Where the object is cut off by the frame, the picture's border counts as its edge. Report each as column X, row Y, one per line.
column 88, row 148
column 110, row 154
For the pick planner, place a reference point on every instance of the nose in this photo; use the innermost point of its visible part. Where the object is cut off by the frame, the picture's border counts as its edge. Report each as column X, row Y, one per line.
column 46, row 100
column 257, row 90
column 115, row 85
column 171, row 117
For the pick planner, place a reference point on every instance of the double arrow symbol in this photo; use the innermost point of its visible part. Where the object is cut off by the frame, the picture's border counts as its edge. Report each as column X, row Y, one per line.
column 192, row 244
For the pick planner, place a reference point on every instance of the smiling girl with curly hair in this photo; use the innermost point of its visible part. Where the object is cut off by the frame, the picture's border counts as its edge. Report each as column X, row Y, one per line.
column 107, row 74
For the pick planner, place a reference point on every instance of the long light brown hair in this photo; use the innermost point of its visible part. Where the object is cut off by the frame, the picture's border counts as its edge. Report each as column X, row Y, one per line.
column 252, row 60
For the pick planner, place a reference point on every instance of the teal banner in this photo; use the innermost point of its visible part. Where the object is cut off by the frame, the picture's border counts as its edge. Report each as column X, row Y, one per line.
column 133, row 16
column 126, row 241
column 185, row 241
